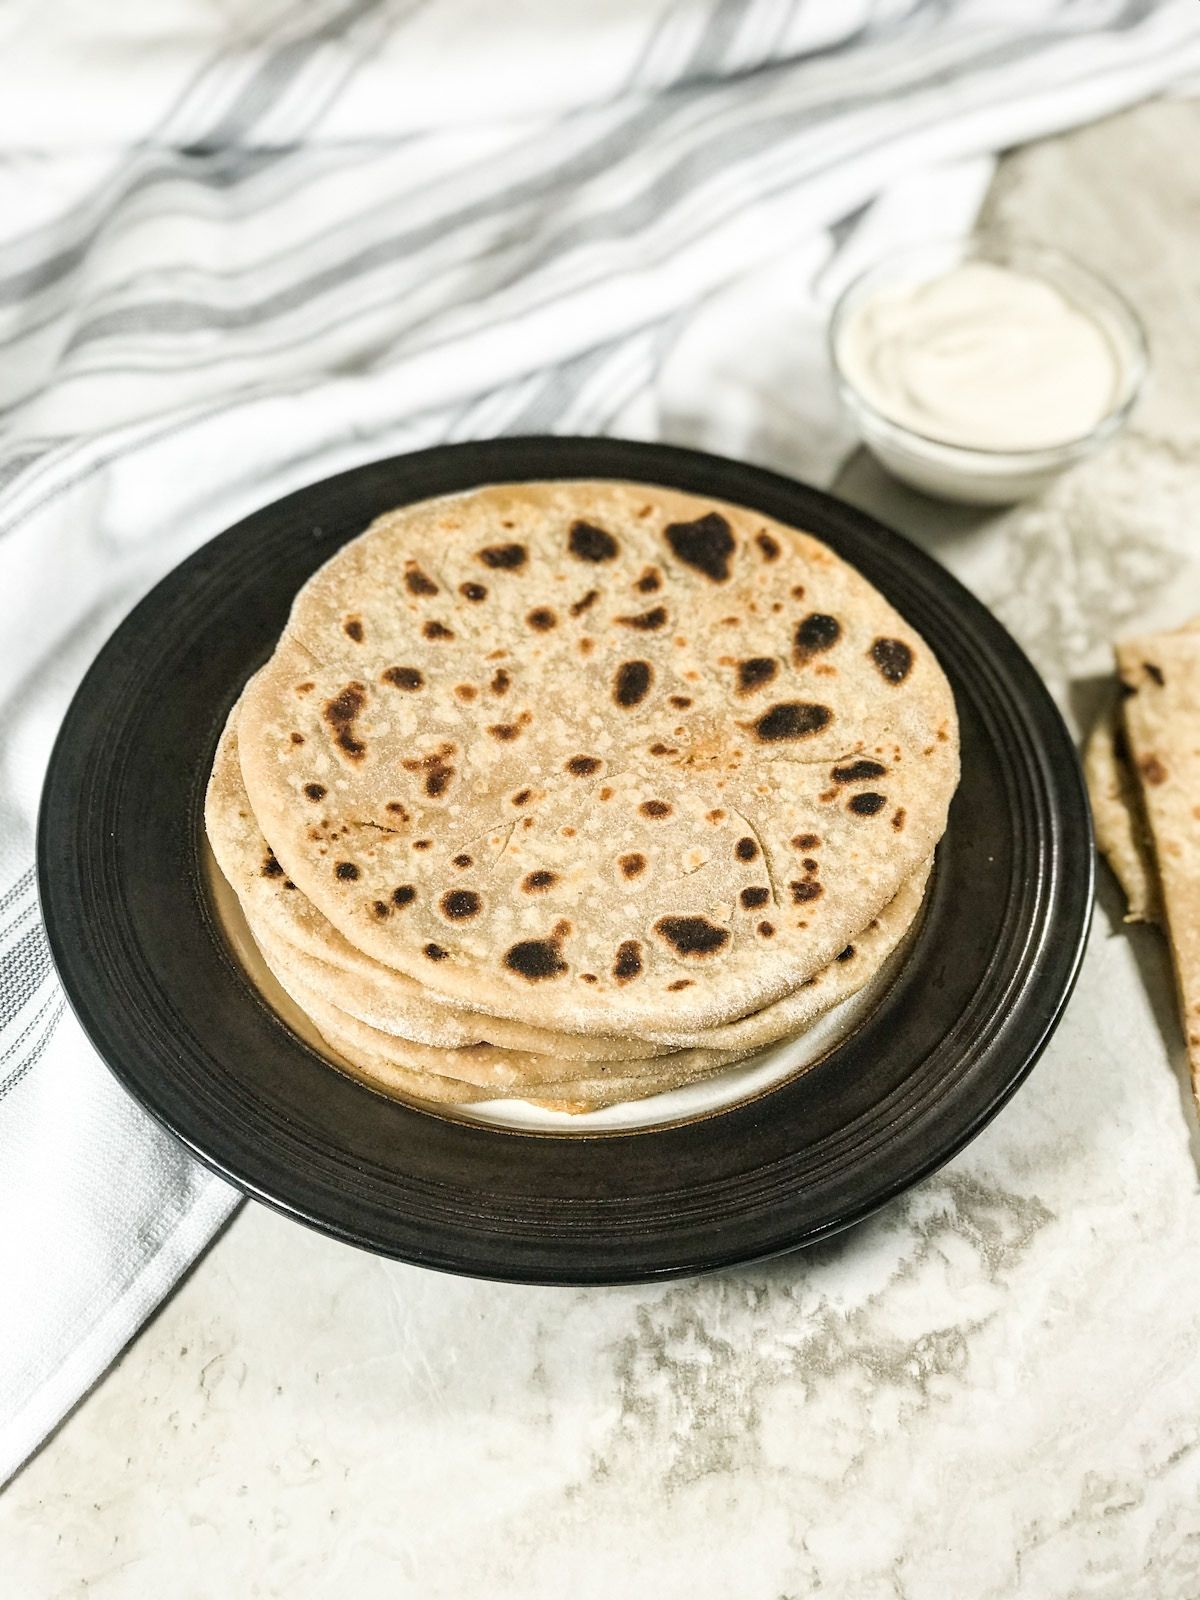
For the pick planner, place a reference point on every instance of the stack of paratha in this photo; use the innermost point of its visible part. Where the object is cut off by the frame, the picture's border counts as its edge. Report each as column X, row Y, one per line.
column 575, row 792
column 1143, row 771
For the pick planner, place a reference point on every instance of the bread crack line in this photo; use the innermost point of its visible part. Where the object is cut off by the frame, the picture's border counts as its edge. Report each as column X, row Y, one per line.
column 764, row 852
column 512, row 828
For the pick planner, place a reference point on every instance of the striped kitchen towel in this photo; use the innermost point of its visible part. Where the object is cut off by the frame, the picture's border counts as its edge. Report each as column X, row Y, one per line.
column 245, row 246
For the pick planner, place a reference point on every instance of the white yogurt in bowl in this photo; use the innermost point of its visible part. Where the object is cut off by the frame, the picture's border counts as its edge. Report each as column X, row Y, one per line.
column 979, row 374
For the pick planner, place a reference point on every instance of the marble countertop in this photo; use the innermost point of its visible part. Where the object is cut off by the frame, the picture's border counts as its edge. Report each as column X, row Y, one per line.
column 992, row 1389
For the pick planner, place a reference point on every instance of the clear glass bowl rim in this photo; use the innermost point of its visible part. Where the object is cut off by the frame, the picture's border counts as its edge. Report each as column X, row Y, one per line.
column 1039, row 260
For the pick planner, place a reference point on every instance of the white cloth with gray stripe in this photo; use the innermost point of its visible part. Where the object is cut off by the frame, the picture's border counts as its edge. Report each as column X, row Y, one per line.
column 245, row 246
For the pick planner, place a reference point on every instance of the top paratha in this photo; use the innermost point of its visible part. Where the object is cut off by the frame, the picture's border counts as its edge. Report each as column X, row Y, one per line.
column 598, row 755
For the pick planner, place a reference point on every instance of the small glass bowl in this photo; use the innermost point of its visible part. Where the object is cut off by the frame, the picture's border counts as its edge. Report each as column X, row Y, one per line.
column 963, row 473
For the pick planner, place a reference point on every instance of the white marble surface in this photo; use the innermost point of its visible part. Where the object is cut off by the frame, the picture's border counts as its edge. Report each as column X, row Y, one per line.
column 991, row 1390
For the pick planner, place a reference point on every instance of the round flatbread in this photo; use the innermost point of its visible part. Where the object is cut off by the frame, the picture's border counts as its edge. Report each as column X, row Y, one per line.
column 599, row 757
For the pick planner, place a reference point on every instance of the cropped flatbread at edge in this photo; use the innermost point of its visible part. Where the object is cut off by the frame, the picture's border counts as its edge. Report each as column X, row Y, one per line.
column 1161, row 676
column 1122, row 835
column 598, row 757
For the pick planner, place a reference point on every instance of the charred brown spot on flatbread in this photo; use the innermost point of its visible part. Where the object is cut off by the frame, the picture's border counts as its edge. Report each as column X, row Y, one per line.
column 460, row 904
column 500, row 681
column 436, row 767
column 846, row 954
column 707, row 544
column 769, row 546
column 583, row 766
column 346, row 871
column 353, row 629
column 814, row 635
column 791, row 719
column 380, row 910
column 522, row 797
column 893, row 658
column 754, row 897
column 297, row 738
column 632, row 864
column 475, row 592
column 898, row 818
column 535, row 959
column 632, row 682
column 658, row 748
column 585, row 602
column 435, row 952
column 806, row 841
column 650, row 581
column 692, row 937
column 806, row 889
column 418, row 582
column 315, row 791
column 341, row 713
column 1155, row 672
column 646, row 621
column 436, row 630
column 680, row 983
column 628, row 963
column 271, row 867
column 409, row 678
column 422, row 844
column 680, row 701
column 587, row 542
column 538, row 882
column 541, row 619
column 766, row 930
column 504, row 557
column 1152, row 769
column 745, row 849
column 462, row 860
column 858, row 771
column 404, row 895
column 506, row 732
column 756, row 671
column 397, row 810
column 868, row 804
column 655, row 808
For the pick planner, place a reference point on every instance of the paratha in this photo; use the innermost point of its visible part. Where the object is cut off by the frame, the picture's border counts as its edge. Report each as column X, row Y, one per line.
column 281, row 918
column 1161, row 676
column 489, row 1065
column 369, row 996
column 1122, row 836
column 598, row 757
column 486, row 1074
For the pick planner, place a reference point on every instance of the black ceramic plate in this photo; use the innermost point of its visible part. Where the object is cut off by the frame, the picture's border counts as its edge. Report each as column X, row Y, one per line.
column 178, row 1021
